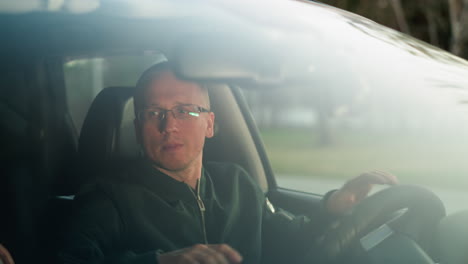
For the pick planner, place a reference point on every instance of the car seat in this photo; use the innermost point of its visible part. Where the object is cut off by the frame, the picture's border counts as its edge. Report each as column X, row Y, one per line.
column 108, row 135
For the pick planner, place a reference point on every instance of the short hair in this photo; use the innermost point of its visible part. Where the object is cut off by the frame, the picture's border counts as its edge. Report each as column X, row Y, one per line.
column 148, row 76
column 145, row 79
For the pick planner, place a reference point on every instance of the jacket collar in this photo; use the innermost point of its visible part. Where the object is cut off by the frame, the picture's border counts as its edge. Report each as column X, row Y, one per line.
column 164, row 185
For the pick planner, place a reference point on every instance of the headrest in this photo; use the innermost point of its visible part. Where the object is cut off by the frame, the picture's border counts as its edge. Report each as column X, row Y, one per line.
column 108, row 132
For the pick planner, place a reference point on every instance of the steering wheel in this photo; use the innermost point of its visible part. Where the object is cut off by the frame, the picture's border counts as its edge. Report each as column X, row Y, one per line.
column 422, row 212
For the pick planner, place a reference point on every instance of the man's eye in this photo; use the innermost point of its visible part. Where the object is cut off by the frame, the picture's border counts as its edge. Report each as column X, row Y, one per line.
column 182, row 111
column 153, row 113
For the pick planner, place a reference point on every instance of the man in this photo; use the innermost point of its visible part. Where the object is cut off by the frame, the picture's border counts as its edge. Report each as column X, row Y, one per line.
column 171, row 208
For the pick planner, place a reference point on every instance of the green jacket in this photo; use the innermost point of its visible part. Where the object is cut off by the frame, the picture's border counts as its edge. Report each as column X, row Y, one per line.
column 131, row 217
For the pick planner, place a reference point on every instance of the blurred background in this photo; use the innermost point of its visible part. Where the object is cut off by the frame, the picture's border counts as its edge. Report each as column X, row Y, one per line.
column 442, row 23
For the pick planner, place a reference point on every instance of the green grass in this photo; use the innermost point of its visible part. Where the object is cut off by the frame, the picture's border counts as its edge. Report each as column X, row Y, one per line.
column 415, row 160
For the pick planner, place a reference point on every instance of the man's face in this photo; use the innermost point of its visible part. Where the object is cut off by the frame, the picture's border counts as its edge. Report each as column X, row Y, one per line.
column 174, row 144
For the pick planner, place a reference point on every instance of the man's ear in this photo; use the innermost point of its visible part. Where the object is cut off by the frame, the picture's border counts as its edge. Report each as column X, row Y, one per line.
column 137, row 127
column 210, row 129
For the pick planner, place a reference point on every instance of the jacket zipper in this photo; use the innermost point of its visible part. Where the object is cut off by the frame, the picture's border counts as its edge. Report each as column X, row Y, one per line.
column 201, row 207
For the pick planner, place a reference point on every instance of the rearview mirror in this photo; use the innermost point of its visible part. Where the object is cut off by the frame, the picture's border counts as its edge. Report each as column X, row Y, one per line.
column 241, row 59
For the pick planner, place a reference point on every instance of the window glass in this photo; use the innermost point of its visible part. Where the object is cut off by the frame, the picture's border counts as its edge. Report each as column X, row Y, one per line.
column 320, row 134
column 86, row 77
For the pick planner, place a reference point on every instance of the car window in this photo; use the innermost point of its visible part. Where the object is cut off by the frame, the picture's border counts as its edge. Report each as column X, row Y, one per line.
column 86, row 77
column 320, row 134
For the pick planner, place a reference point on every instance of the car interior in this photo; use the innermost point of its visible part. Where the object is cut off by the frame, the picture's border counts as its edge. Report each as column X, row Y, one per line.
column 107, row 136
column 46, row 158
column 46, row 182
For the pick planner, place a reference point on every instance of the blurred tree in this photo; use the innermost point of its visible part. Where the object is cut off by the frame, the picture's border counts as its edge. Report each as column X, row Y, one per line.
column 459, row 26
column 443, row 23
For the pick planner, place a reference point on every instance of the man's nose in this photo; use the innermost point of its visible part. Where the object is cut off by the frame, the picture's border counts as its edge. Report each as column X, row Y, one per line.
column 169, row 123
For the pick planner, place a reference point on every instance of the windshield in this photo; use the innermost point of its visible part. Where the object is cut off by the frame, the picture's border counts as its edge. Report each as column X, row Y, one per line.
column 348, row 95
column 374, row 99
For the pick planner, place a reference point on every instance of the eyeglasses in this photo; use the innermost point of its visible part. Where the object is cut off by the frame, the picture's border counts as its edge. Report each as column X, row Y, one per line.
column 182, row 112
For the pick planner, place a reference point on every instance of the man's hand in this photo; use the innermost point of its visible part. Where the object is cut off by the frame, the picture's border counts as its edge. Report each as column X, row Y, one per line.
column 202, row 254
column 356, row 189
column 5, row 257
